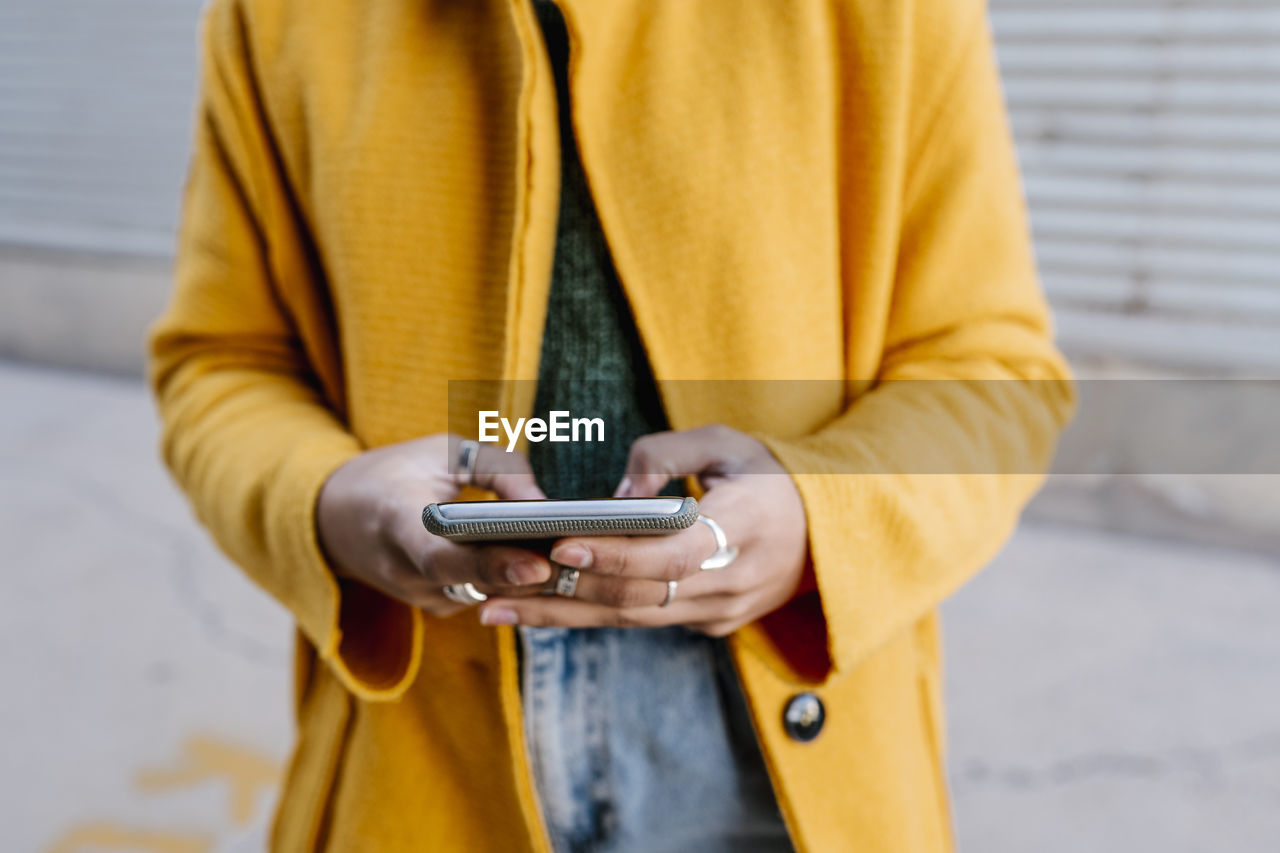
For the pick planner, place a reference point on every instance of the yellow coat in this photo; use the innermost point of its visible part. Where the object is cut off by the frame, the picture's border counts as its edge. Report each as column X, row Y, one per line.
column 810, row 189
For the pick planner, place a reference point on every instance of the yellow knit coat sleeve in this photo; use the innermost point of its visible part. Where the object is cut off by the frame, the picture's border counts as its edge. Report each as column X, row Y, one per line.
column 919, row 481
column 251, row 425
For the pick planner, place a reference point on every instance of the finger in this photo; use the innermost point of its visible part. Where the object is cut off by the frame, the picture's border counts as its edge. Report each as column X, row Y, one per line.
column 430, row 597
column 661, row 558
column 731, row 504
column 441, row 562
column 441, row 606
column 552, row 611
column 706, row 451
column 506, row 473
column 398, row 580
column 619, row 593
column 716, row 629
column 627, row 593
column 508, row 591
column 497, row 565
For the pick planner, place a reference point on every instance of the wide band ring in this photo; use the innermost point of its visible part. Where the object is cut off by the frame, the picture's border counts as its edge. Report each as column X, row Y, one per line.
column 464, row 593
column 567, row 581
column 465, row 472
column 724, row 554
column 671, row 593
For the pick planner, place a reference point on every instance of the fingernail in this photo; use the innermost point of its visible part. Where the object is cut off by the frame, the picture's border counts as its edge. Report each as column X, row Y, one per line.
column 498, row 616
column 573, row 556
column 523, row 573
column 624, row 488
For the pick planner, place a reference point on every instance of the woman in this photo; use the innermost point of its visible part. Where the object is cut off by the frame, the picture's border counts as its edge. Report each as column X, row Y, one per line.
column 732, row 227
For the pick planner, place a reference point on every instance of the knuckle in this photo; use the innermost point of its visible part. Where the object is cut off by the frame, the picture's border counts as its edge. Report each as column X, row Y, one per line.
column 613, row 593
column 643, row 445
column 737, row 583
column 646, row 456
column 630, row 595
column 679, row 565
column 423, row 563
column 408, row 585
column 491, row 565
column 721, row 432
column 624, row 619
column 622, row 560
column 438, row 607
column 488, row 569
column 688, row 563
column 639, row 452
column 738, row 609
column 605, row 560
column 533, row 618
column 675, row 569
column 642, row 465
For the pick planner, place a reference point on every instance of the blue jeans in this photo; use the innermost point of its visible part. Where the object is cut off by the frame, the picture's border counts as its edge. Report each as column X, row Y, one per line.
column 640, row 740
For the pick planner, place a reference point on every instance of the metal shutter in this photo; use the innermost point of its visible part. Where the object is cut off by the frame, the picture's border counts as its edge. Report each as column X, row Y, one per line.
column 1149, row 132
column 95, row 117
column 1149, row 135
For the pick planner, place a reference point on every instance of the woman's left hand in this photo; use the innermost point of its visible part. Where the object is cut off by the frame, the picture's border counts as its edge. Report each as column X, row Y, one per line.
column 624, row 580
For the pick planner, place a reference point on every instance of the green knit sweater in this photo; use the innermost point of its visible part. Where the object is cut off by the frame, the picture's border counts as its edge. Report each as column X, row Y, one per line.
column 593, row 363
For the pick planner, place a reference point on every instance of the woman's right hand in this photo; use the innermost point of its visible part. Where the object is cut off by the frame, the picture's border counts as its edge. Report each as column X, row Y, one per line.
column 369, row 522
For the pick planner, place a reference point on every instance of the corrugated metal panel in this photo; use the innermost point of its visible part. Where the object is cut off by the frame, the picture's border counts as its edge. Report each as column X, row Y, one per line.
column 1149, row 134
column 95, row 117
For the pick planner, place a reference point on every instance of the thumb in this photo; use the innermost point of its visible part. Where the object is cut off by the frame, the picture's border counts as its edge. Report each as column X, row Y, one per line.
column 506, row 473
column 709, row 452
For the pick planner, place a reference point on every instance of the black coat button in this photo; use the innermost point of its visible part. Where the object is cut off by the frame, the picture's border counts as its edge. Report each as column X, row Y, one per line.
column 803, row 717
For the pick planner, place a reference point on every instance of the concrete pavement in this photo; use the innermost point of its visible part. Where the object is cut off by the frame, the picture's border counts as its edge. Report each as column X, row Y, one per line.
column 1106, row 693
column 1116, row 694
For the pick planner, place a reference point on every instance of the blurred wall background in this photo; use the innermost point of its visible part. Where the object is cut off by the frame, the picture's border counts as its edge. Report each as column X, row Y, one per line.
column 1149, row 135
column 1148, row 132
column 95, row 117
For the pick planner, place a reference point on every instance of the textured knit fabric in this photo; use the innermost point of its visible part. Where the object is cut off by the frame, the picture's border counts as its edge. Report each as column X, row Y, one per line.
column 811, row 190
column 640, row 740
column 593, row 363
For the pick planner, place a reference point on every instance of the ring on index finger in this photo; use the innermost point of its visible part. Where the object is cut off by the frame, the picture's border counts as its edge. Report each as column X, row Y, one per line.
column 724, row 554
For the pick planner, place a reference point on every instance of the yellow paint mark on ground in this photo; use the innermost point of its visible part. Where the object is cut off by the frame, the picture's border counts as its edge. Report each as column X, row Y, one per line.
column 206, row 758
column 98, row 836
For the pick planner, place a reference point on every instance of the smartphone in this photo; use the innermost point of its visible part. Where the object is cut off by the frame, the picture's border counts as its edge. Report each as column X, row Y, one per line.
column 487, row 521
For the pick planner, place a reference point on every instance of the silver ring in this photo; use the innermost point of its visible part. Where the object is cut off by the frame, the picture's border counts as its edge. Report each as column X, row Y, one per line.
column 671, row 593
column 724, row 555
column 464, row 593
column 466, row 471
column 567, row 581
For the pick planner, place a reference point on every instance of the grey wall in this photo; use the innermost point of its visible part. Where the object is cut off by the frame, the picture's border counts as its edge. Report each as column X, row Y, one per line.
column 1149, row 132
column 95, row 117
